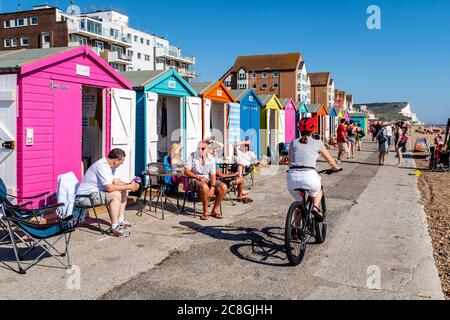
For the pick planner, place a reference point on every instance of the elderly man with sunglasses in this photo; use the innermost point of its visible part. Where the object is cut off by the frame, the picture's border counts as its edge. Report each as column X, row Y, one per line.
column 201, row 169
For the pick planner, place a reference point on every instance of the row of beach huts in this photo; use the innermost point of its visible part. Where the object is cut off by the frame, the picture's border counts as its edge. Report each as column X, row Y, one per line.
column 61, row 109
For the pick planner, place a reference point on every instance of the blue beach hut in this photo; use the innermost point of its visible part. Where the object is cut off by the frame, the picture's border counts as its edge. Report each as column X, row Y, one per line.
column 250, row 107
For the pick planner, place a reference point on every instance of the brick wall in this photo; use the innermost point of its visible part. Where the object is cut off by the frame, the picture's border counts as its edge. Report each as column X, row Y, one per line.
column 46, row 23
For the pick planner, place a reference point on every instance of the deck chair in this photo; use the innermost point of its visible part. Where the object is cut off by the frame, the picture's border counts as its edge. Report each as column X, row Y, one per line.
column 38, row 236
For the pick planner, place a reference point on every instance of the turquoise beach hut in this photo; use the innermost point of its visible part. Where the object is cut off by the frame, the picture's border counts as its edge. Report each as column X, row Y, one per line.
column 168, row 111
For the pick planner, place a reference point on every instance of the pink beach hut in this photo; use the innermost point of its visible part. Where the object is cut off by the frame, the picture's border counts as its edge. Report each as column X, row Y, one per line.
column 290, row 110
column 61, row 109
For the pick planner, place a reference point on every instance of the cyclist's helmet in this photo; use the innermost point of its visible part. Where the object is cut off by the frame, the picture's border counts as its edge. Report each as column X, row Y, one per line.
column 306, row 125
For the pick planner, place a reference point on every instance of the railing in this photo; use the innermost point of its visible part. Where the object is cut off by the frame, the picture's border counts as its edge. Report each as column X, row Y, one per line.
column 167, row 52
column 114, row 56
column 96, row 28
column 187, row 73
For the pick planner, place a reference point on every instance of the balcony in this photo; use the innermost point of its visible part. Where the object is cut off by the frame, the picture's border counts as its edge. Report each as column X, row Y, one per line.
column 187, row 73
column 119, row 58
column 174, row 55
column 93, row 29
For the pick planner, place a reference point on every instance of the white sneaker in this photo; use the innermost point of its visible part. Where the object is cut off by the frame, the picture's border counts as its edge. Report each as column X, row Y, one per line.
column 126, row 224
column 120, row 232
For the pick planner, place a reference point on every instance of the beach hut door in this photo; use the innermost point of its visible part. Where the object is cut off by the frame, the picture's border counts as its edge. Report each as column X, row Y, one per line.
column 207, row 119
column 123, row 122
column 152, row 127
column 193, row 124
column 8, row 120
column 281, row 126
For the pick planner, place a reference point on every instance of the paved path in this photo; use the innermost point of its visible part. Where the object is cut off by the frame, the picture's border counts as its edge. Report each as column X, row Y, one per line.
column 376, row 222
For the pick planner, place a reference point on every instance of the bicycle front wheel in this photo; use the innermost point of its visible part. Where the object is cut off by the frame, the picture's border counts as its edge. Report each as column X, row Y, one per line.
column 295, row 240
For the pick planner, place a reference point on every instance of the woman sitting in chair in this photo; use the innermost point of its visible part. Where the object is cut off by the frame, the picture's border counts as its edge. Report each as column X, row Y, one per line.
column 174, row 163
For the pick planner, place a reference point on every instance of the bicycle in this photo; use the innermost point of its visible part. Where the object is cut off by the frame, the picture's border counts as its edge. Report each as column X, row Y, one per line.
column 297, row 238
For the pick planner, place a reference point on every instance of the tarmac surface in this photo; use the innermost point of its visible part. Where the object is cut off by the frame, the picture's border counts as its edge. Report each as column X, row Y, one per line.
column 378, row 248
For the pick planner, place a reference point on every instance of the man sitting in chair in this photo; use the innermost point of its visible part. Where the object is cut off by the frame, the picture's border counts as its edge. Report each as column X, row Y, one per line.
column 201, row 169
column 102, row 181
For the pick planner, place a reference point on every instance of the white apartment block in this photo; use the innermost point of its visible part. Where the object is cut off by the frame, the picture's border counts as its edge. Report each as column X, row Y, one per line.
column 126, row 48
column 331, row 92
column 303, row 85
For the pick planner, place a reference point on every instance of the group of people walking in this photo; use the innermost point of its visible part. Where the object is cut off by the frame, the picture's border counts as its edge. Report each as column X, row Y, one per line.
column 387, row 136
column 350, row 137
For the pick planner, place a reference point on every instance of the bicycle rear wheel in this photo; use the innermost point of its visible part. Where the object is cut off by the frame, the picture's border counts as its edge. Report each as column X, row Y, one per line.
column 295, row 237
column 321, row 228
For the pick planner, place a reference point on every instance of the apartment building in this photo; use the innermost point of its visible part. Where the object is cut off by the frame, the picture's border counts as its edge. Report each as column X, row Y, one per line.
column 107, row 32
column 273, row 74
column 303, row 85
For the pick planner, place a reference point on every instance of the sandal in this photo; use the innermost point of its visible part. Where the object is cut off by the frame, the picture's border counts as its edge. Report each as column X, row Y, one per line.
column 217, row 216
column 318, row 214
column 245, row 200
column 203, row 218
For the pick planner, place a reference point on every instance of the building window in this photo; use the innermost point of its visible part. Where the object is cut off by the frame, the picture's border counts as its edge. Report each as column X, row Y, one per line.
column 34, row 21
column 264, row 86
column 139, row 55
column 253, row 74
column 148, row 42
column 100, row 46
column 254, row 86
column 264, row 75
column 7, row 43
column 135, row 38
column 276, row 74
column 22, row 22
column 142, row 40
column 13, row 42
column 242, row 86
column 130, row 53
column 147, row 57
column 242, row 76
column 7, row 24
column 82, row 41
column 228, row 84
column 276, row 86
column 24, row 42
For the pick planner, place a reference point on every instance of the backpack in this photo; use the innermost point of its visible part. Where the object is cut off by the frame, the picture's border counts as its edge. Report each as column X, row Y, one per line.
column 382, row 138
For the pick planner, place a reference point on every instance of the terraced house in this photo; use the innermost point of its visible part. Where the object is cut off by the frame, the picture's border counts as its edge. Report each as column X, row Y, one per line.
column 283, row 75
column 107, row 32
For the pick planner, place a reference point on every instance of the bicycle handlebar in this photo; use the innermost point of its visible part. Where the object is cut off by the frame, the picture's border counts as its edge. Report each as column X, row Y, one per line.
column 329, row 171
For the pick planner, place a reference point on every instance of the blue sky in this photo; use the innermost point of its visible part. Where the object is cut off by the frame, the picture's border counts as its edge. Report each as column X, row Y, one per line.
column 407, row 60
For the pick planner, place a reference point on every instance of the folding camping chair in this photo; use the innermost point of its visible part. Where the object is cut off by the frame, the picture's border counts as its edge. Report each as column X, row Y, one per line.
column 194, row 198
column 19, row 225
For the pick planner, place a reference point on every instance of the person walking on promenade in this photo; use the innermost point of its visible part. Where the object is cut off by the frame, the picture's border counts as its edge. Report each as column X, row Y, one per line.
column 382, row 139
column 390, row 134
column 398, row 142
column 360, row 134
column 342, row 141
column 351, row 139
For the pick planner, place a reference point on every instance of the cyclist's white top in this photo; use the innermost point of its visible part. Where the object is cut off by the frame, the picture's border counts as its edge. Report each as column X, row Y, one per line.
column 305, row 155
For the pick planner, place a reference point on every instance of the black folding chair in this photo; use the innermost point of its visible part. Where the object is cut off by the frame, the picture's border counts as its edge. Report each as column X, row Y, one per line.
column 91, row 206
column 195, row 199
column 35, row 235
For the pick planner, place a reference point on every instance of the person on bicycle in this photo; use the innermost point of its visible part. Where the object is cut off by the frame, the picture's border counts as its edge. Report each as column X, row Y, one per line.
column 303, row 156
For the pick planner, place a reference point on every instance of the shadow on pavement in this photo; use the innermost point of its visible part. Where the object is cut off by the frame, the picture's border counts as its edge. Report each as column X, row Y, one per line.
column 263, row 247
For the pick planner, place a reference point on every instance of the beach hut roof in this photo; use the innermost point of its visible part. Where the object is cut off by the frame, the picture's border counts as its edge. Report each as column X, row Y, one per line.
column 139, row 79
column 12, row 61
column 241, row 94
column 314, row 108
column 202, row 87
column 268, row 98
